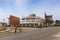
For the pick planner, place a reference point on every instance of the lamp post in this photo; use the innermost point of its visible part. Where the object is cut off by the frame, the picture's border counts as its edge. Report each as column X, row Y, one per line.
column 4, row 24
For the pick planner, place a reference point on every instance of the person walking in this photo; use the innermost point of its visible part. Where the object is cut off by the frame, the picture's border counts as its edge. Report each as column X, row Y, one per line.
column 15, row 29
column 20, row 29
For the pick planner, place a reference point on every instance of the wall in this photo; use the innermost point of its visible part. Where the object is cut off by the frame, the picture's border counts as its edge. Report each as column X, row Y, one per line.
column 14, row 20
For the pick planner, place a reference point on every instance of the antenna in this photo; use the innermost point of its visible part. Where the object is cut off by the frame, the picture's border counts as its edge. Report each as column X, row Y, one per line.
column 45, row 15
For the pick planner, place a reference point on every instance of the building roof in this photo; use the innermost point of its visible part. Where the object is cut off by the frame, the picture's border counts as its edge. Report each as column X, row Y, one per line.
column 33, row 15
column 13, row 17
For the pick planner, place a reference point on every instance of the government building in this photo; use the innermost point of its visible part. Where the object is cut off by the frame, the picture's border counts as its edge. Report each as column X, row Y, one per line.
column 31, row 21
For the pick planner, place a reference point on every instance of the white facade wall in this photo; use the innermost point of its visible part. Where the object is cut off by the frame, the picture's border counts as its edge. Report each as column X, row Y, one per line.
column 30, row 20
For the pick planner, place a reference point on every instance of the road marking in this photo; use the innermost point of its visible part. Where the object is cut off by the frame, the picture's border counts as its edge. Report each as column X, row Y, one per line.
column 56, row 35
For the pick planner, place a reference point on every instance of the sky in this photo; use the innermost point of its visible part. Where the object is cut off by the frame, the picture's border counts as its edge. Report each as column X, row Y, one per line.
column 21, row 8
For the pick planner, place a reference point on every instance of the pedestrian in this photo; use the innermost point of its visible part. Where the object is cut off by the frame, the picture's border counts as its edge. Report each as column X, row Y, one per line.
column 15, row 29
column 20, row 29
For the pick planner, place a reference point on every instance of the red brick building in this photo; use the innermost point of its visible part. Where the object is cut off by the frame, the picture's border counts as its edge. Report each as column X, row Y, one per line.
column 13, row 21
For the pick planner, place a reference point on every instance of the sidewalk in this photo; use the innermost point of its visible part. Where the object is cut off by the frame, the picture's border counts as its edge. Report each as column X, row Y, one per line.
column 5, row 31
column 23, row 29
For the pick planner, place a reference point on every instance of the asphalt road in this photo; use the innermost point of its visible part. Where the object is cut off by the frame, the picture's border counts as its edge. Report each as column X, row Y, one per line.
column 50, row 33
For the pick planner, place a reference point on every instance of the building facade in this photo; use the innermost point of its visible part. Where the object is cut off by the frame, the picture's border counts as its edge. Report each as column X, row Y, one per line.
column 3, row 25
column 48, row 19
column 13, row 20
column 31, row 21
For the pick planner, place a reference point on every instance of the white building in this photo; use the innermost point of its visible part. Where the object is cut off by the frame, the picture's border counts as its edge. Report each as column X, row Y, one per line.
column 31, row 20
column 3, row 25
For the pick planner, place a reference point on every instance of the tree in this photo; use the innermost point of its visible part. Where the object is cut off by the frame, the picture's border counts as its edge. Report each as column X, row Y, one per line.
column 48, row 22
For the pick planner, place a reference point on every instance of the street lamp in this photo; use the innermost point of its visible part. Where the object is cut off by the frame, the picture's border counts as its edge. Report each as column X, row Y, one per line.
column 4, row 24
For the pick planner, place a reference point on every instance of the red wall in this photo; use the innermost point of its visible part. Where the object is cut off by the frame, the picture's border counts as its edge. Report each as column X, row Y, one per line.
column 13, row 20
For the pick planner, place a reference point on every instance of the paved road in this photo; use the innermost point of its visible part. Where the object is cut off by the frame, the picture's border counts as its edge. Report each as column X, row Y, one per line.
column 50, row 33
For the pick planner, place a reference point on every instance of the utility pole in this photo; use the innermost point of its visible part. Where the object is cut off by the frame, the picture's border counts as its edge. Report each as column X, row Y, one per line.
column 4, row 24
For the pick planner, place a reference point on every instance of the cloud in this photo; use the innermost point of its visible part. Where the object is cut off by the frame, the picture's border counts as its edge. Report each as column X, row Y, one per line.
column 25, row 7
